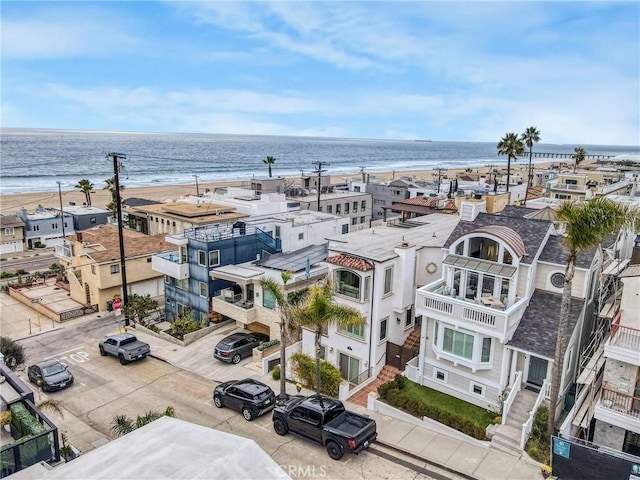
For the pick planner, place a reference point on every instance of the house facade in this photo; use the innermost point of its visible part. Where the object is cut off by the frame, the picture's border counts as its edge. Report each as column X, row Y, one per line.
column 44, row 227
column 490, row 322
column 11, row 234
column 376, row 271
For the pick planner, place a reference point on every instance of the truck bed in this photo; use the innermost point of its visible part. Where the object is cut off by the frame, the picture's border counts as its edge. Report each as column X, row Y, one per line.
column 350, row 423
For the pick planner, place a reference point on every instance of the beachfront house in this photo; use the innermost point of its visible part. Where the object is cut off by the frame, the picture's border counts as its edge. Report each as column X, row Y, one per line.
column 490, row 321
column 45, row 227
column 91, row 264
column 356, row 206
column 376, row 271
column 11, row 234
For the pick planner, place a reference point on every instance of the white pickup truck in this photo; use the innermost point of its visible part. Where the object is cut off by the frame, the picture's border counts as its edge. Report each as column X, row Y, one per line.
column 125, row 346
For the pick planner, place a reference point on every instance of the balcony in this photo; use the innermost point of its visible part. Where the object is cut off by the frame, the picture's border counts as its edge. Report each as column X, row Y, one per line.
column 169, row 264
column 242, row 311
column 64, row 251
column 434, row 301
column 569, row 187
column 619, row 409
column 623, row 344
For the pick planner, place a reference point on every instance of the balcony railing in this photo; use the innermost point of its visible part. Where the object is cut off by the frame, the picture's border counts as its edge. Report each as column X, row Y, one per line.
column 239, row 310
column 169, row 264
column 625, row 337
column 620, row 402
column 571, row 187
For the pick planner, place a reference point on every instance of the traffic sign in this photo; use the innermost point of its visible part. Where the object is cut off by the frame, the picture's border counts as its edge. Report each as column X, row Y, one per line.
column 117, row 305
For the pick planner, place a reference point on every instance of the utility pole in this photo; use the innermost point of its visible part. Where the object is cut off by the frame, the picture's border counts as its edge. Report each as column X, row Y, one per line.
column 439, row 170
column 61, row 212
column 123, row 267
column 319, row 171
column 197, row 188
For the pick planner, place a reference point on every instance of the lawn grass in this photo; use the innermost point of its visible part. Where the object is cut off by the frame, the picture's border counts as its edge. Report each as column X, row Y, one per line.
column 450, row 404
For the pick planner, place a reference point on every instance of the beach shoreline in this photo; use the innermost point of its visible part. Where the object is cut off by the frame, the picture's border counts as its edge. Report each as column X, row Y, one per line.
column 10, row 204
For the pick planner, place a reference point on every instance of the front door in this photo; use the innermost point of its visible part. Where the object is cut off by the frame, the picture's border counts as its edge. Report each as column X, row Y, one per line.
column 537, row 371
column 349, row 368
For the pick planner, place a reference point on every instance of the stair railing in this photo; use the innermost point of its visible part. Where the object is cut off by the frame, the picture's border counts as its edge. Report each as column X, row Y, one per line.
column 515, row 388
column 528, row 425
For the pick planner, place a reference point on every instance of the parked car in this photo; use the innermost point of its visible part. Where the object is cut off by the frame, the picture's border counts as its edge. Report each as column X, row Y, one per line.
column 324, row 420
column 249, row 396
column 51, row 375
column 237, row 346
column 125, row 346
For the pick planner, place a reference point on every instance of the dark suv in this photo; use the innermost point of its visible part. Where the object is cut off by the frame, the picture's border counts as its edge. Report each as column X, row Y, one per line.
column 249, row 396
column 236, row 346
column 51, row 375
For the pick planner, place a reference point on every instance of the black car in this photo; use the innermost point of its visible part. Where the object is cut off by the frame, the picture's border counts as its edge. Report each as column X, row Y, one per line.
column 236, row 346
column 51, row 375
column 249, row 396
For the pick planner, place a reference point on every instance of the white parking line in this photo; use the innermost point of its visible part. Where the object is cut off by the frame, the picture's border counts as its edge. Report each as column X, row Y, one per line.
column 62, row 353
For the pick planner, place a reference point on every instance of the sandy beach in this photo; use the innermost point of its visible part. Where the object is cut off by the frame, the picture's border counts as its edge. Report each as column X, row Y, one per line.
column 12, row 203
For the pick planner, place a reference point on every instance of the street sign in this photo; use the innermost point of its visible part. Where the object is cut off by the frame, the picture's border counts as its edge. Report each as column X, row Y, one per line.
column 117, row 305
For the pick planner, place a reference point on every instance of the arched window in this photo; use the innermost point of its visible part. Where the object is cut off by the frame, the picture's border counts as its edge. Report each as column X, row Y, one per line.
column 347, row 283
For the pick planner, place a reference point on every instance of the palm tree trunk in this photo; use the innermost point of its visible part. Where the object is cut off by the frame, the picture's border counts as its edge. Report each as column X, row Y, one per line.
column 530, row 179
column 558, row 358
column 508, row 171
column 318, row 339
column 283, row 361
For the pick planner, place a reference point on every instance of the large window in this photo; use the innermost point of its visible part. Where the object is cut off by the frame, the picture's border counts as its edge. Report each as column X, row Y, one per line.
column 388, row 280
column 214, row 258
column 347, row 283
column 354, row 331
column 458, row 343
column 182, row 283
column 383, row 329
column 268, row 300
column 202, row 258
column 203, row 289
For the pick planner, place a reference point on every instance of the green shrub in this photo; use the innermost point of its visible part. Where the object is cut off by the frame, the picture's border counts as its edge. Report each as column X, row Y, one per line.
column 265, row 345
column 13, row 352
column 23, row 421
column 305, row 368
column 21, row 271
column 7, row 275
column 275, row 373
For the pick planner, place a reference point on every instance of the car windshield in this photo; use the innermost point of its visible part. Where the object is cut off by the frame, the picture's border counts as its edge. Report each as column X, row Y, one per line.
column 223, row 346
column 52, row 369
column 262, row 395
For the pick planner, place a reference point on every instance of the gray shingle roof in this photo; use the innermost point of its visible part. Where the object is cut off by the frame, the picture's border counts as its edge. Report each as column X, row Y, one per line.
column 531, row 231
column 538, row 328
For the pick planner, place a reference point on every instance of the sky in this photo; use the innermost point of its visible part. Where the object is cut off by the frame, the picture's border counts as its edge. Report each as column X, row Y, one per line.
column 459, row 71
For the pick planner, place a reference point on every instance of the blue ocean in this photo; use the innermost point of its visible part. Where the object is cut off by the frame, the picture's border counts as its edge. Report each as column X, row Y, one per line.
column 34, row 160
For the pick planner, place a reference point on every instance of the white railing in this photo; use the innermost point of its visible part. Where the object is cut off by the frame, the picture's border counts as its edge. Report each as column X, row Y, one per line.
column 528, row 425
column 515, row 388
column 411, row 369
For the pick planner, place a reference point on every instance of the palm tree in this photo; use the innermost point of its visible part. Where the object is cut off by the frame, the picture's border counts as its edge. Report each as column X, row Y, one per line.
column 319, row 311
column 511, row 146
column 578, row 157
column 284, row 308
column 269, row 161
column 86, row 187
column 111, row 186
column 122, row 424
column 530, row 136
column 587, row 225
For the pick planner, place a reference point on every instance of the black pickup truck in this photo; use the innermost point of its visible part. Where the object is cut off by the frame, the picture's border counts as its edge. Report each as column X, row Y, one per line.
column 324, row 420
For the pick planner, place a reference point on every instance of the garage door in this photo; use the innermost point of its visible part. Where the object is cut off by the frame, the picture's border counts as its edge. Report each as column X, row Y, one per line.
column 154, row 288
column 258, row 328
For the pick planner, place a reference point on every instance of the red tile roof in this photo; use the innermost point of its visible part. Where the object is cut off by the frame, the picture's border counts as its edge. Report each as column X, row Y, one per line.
column 351, row 262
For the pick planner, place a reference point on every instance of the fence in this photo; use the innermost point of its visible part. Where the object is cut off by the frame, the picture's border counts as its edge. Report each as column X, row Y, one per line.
column 528, row 425
column 517, row 384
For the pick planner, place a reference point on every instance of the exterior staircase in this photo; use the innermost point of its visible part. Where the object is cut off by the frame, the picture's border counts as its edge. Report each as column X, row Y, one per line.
column 386, row 374
column 507, row 437
column 413, row 340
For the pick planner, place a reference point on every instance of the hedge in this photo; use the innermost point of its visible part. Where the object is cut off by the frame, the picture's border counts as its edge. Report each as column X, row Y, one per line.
column 392, row 393
column 305, row 368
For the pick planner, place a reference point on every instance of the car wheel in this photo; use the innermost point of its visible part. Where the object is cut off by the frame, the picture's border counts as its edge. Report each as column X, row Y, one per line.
column 247, row 414
column 280, row 428
column 217, row 401
column 122, row 359
column 102, row 352
column 236, row 358
column 334, row 450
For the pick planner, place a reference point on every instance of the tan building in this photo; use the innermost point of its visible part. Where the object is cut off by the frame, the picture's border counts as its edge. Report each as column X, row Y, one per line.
column 11, row 234
column 92, row 264
column 583, row 185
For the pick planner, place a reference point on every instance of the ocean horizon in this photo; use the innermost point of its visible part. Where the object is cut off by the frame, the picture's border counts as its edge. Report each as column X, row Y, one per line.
column 34, row 160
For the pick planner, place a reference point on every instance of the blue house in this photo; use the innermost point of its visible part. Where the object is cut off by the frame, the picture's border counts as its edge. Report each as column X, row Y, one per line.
column 188, row 285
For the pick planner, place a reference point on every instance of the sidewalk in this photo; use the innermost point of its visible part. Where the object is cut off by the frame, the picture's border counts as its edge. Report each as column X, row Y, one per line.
column 401, row 432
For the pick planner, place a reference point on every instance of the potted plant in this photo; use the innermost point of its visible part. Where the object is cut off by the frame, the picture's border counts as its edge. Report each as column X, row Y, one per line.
column 5, row 420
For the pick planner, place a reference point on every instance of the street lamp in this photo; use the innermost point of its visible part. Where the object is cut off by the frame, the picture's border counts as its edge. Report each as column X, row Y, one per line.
column 197, row 188
column 61, row 210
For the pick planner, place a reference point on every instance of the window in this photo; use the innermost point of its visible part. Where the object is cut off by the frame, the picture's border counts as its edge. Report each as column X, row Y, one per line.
column 345, row 228
column 9, row 231
column 323, row 352
column 329, row 209
column 354, row 221
column 339, row 209
column 202, row 258
column 363, row 205
column 301, row 236
column 388, row 280
column 181, row 309
column 436, row 327
column 346, row 208
column 379, row 202
column 203, row 289
column 278, row 228
column 354, row 330
column 347, row 283
column 440, row 375
column 54, row 226
column 93, row 269
column 477, row 389
column 557, row 280
column 362, row 219
column 204, row 318
column 268, row 300
column 183, row 254
column 182, row 283
column 355, row 207
column 167, row 279
column 486, row 350
column 214, row 258
column 367, row 286
column 458, row 343
column 383, row 329
column 408, row 320
column 115, row 269
column 36, row 228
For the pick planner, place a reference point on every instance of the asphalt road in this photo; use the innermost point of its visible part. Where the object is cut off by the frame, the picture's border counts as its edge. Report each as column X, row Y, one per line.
column 104, row 389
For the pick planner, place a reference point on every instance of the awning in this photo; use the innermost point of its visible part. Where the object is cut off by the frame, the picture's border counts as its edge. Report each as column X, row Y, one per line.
column 477, row 265
column 236, row 274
